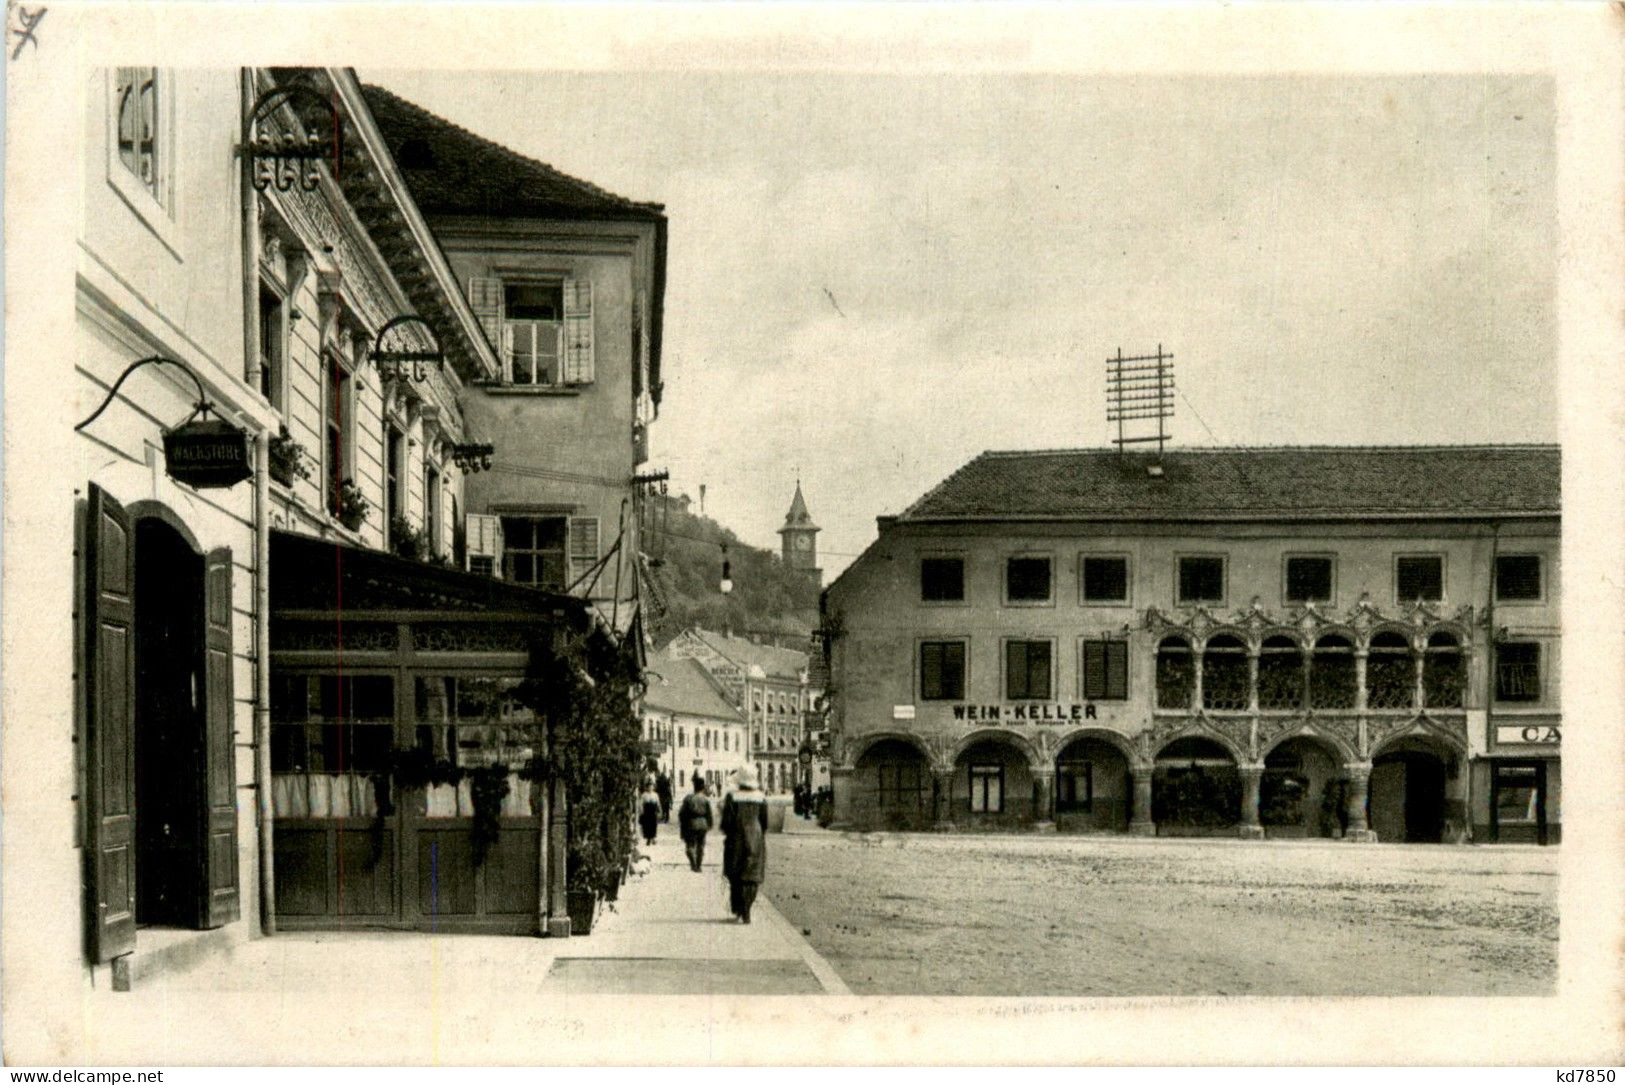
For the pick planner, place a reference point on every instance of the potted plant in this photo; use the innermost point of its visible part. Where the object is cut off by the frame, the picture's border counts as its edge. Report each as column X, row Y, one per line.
column 404, row 539
column 353, row 505
column 287, row 458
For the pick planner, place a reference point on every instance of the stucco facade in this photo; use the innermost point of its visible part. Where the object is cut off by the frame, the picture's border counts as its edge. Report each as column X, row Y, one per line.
column 1290, row 679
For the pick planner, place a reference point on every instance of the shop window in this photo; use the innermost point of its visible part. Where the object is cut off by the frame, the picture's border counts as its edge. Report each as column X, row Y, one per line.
column 1331, row 673
column 1390, row 673
column 1027, row 670
column 1308, row 580
column 1280, row 675
column 1517, row 672
column 1105, row 670
column 1517, row 577
column 899, row 783
column 1419, row 578
column 1517, row 795
column 474, row 722
column 1224, row 675
column 942, row 580
column 1027, row 580
column 543, row 330
column 1105, row 579
column 943, row 670
column 1201, row 580
column 1074, row 787
column 1444, row 676
column 327, row 733
column 1175, row 675
column 987, row 789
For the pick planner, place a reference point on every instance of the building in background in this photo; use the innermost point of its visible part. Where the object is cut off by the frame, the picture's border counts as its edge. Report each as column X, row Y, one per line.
column 1286, row 642
column 690, row 725
column 770, row 687
column 799, row 539
column 568, row 284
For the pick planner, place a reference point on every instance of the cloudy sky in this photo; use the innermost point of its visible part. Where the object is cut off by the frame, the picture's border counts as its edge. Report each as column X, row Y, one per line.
column 874, row 278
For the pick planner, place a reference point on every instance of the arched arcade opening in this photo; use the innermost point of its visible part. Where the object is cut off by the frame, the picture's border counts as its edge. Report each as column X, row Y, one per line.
column 1195, row 789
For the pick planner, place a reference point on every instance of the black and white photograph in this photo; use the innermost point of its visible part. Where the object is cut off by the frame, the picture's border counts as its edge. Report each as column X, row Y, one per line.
column 721, row 535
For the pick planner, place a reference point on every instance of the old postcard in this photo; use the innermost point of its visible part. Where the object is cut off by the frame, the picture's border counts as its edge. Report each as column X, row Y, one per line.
column 770, row 534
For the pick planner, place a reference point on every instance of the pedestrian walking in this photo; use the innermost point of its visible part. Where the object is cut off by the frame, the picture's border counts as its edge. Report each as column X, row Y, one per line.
column 744, row 843
column 694, row 821
column 649, row 815
column 663, row 789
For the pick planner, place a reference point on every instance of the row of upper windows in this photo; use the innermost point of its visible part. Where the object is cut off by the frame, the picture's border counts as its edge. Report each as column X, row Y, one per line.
column 1103, row 672
column 1103, row 579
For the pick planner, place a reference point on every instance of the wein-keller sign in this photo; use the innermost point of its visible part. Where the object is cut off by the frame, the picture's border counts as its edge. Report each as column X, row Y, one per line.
column 207, row 454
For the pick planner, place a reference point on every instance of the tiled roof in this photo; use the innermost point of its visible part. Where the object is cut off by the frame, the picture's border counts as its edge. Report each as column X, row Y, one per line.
column 452, row 171
column 775, row 662
column 1251, row 483
column 683, row 686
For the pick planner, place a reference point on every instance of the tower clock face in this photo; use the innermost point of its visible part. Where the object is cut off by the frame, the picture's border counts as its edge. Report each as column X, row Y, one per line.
column 803, row 542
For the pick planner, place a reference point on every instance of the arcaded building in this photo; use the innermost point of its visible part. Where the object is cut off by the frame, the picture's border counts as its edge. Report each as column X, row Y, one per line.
column 1347, row 642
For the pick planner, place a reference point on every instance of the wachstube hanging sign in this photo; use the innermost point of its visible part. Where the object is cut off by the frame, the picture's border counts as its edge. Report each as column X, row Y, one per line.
column 207, row 453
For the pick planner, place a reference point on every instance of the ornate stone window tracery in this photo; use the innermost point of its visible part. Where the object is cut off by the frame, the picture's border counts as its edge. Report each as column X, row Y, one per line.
column 1332, row 680
column 1224, row 674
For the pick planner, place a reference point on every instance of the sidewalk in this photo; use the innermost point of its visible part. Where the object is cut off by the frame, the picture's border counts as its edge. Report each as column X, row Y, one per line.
column 670, row 933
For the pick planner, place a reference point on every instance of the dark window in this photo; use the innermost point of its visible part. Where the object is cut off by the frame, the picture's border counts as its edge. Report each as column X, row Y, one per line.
column 1105, row 670
column 1105, row 580
column 1517, row 672
column 394, row 455
column 534, row 550
column 942, row 670
column 1027, row 670
column 431, row 509
column 273, row 347
column 1027, row 580
column 942, row 579
column 1074, row 786
column 1517, row 576
column 335, row 423
column 1308, row 580
column 1201, row 580
column 900, row 783
column 1419, row 578
column 987, row 789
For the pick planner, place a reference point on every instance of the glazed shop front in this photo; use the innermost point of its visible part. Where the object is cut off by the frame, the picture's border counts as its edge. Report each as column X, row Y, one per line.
column 409, row 776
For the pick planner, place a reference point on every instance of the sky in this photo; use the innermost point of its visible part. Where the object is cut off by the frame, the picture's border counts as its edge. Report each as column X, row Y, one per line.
column 873, row 278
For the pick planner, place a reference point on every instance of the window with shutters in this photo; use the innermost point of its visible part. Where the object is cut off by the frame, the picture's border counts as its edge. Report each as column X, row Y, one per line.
column 1105, row 670
column 583, row 547
column 541, row 329
column 1027, row 670
column 534, row 550
column 942, row 670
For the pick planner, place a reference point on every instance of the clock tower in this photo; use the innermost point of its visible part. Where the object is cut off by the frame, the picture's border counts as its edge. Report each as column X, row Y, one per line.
column 800, row 537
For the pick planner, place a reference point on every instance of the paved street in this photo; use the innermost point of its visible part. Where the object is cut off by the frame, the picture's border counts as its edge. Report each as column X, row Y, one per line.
column 1056, row 915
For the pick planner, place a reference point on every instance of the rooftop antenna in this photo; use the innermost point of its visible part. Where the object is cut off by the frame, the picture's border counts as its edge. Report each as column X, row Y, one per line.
column 1139, row 388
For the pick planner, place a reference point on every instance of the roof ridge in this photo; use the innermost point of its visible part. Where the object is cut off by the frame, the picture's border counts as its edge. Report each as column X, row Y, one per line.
column 509, row 153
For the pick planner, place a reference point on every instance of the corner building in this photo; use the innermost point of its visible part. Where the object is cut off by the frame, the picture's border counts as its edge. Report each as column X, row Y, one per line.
column 1359, row 643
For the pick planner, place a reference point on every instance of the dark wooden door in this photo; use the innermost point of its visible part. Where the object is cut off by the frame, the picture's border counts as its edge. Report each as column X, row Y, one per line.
column 219, row 899
column 109, row 683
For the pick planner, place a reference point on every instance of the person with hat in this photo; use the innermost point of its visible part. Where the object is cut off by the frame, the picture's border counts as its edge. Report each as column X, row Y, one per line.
column 694, row 821
column 744, row 842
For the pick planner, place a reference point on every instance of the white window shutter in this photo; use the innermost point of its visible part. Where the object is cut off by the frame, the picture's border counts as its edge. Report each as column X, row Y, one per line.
column 484, row 534
column 578, row 352
column 485, row 298
column 583, row 544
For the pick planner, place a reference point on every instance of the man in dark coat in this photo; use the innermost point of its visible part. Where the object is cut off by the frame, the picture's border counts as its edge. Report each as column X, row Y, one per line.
column 694, row 821
column 663, row 789
column 744, row 843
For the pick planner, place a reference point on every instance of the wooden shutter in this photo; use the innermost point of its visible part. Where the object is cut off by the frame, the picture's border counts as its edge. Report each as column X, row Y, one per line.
column 485, row 298
column 485, row 537
column 578, row 353
column 221, row 900
column 109, row 674
column 1094, row 670
column 1117, row 670
column 583, row 544
column 1015, row 670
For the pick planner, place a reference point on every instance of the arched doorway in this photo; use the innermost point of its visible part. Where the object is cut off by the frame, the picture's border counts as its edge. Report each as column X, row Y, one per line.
column 1409, row 783
column 992, row 785
column 1093, row 788
column 168, row 726
column 891, row 787
column 1302, row 790
column 1195, row 789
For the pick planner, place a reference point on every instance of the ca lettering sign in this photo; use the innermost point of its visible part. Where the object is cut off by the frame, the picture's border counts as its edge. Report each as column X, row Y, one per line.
column 1532, row 734
column 207, row 454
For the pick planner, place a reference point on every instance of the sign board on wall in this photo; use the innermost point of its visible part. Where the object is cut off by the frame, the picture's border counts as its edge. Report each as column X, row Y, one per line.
column 1533, row 734
column 902, row 711
column 1025, row 712
column 207, row 454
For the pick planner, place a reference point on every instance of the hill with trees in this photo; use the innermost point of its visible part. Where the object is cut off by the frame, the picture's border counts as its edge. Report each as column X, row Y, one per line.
column 685, row 550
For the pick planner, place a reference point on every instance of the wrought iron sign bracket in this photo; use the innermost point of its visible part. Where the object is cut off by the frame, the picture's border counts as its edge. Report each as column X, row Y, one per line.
column 470, row 457
column 401, row 365
column 198, row 452
column 275, row 160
